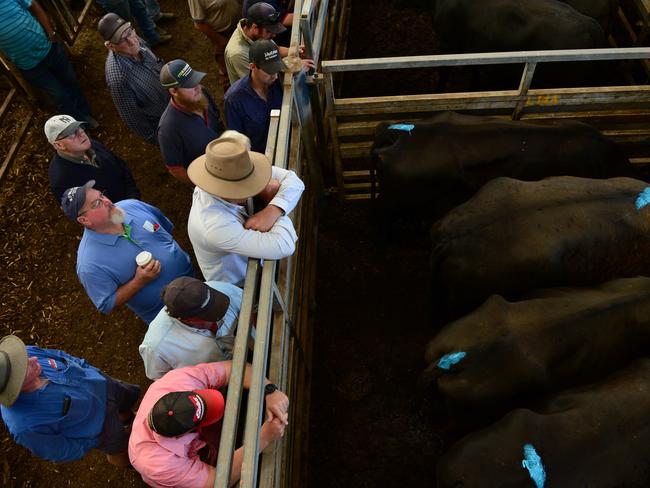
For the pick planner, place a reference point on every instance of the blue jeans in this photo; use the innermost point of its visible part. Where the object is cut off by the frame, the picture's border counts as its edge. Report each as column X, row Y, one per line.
column 153, row 9
column 134, row 9
column 55, row 77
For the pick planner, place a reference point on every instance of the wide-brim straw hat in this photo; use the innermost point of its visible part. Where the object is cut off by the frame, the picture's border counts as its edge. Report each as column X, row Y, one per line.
column 13, row 368
column 228, row 170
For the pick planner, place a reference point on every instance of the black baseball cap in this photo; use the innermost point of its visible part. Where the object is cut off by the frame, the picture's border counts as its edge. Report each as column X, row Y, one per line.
column 264, row 15
column 265, row 55
column 180, row 412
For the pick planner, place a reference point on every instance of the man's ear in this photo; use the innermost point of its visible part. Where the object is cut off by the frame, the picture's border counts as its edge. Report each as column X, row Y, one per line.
column 172, row 91
column 83, row 220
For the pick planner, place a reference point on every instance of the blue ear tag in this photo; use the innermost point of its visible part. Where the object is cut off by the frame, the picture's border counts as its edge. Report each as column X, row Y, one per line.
column 405, row 127
column 643, row 199
column 533, row 463
column 448, row 360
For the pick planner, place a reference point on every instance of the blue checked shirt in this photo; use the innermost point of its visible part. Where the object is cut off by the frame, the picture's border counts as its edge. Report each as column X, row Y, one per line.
column 136, row 91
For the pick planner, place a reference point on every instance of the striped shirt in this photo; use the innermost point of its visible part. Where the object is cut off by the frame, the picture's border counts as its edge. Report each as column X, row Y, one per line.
column 22, row 37
column 136, row 91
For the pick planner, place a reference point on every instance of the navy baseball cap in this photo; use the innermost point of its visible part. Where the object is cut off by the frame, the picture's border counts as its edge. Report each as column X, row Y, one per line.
column 73, row 199
column 178, row 73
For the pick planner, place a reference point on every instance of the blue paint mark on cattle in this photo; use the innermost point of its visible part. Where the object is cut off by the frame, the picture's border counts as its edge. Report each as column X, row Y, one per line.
column 448, row 360
column 643, row 199
column 533, row 463
column 405, row 127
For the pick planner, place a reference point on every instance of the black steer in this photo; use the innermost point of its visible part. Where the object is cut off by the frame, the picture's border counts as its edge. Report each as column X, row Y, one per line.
column 595, row 436
column 443, row 161
column 561, row 337
column 470, row 26
column 515, row 236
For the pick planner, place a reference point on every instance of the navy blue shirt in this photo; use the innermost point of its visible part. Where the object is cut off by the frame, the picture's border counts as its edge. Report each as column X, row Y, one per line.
column 111, row 174
column 248, row 113
column 183, row 136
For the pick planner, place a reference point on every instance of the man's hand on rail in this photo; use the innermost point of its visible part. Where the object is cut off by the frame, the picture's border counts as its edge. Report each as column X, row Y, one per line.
column 272, row 430
column 277, row 407
column 264, row 220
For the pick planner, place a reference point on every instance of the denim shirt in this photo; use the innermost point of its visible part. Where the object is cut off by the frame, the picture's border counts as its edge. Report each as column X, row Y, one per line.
column 62, row 420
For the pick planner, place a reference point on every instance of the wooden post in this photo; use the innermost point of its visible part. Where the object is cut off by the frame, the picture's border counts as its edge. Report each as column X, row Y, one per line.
column 334, row 139
column 524, row 85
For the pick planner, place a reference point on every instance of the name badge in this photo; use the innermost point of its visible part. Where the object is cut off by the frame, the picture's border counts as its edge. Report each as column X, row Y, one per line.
column 149, row 227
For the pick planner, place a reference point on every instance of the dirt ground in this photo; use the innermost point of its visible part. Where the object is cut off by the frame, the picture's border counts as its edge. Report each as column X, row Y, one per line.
column 42, row 300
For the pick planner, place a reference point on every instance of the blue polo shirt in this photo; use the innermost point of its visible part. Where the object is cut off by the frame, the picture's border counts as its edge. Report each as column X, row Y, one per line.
column 250, row 114
column 22, row 37
column 107, row 261
column 62, row 420
column 183, row 136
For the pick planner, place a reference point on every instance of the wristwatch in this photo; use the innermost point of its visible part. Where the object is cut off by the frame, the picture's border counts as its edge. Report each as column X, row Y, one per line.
column 270, row 388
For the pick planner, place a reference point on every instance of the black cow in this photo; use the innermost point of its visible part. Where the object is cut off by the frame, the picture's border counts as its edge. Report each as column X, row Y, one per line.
column 601, row 10
column 515, row 236
column 562, row 337
column 595, row 437
column 441, row 162
column 469, row 26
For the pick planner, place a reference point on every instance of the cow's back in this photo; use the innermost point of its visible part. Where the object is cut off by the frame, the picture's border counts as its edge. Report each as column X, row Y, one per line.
column 595, row 436
column 557, row 338
column 436, row 164
column 515, row 236
column 514, row 25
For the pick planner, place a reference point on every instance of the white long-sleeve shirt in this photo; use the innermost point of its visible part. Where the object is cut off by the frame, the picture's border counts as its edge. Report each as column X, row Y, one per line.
column 221, row 243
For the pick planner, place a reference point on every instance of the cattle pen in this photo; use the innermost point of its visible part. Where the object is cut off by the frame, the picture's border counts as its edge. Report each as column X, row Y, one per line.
column 342, row 324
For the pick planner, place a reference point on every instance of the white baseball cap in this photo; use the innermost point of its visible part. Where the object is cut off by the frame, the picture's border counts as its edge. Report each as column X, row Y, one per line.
column 61, row 126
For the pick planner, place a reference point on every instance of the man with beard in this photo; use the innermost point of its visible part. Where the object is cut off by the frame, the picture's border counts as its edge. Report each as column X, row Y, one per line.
column 190, row 121
column 79, row 158
column 113, row 236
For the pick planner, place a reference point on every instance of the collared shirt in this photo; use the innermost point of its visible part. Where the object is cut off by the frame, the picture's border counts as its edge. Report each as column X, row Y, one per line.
column 170, row 344
column 107, row 261
column 22, row 38
column 183, row 136
column 111, row 174
column 62, row 420
column 88, row 158
column 136, row 91
column 250, row 114
column 221, row 243
column 221, row 15
column 172, row 461
column 236, row 53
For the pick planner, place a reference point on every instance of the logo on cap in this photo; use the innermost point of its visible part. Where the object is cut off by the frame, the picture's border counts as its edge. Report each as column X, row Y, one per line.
column 71, row 193
column 199, row 407
column 185, row 72
column 66, row 119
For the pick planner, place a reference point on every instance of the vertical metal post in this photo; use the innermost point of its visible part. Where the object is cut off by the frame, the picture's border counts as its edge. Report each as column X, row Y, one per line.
column 524, row 85
column 236, row 383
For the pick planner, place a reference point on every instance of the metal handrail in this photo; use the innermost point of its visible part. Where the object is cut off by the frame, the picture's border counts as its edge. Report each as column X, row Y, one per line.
column 265, row 289
column 474, row 59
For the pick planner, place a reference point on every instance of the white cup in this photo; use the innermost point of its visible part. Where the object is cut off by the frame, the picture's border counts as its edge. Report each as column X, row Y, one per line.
column 143, row 258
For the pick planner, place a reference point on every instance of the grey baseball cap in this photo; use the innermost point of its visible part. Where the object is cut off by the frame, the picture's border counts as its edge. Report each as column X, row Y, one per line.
column 178, row 73
column 61, row 126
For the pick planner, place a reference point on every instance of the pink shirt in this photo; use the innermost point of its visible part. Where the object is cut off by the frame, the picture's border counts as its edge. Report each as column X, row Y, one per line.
column 172, row 461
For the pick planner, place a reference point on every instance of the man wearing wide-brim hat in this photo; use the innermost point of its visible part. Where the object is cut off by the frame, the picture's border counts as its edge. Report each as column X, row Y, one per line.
column 223, row 226
column 59, row 407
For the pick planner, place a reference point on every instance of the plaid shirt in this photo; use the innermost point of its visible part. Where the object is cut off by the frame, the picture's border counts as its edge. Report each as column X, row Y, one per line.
column 136, row 91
